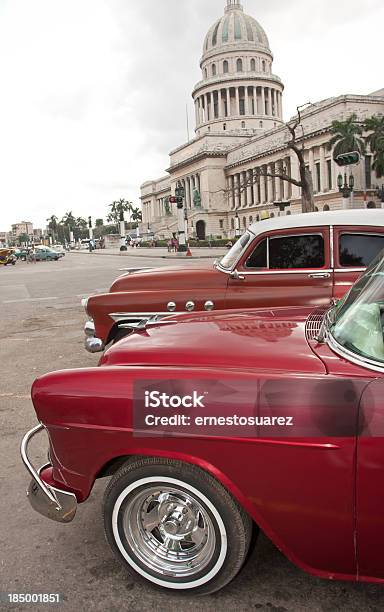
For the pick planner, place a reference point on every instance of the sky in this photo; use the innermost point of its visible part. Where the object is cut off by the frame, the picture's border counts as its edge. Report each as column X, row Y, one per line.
column 93, row 93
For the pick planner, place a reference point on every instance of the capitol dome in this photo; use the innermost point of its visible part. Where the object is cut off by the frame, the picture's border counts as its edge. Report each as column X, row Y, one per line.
column 238, row 91
column 234, row 28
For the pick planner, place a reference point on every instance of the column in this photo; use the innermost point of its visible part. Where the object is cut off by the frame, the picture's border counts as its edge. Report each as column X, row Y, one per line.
column 279, row 190
column 228, row 94
column 212, row 102
column 232, row 192
column 255, row 187
column 237, row 111
column 236, row 190
column 243, row 189
column 221, row 105
column 196, row 116
column 246, row 101
column 206, row 113
column 323, row 171
column 262, row 187
column 269, row 101
column 262, row 101
column 249, row 175
column 295, row 174
column 311, row 165
column 255, row 100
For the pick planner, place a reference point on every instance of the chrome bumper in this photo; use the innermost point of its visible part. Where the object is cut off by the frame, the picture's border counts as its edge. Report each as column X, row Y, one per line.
column 91, row 343
column 52, row 503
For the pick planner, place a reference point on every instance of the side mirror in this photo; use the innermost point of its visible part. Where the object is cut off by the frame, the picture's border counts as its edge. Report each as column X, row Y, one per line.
column 236, row 276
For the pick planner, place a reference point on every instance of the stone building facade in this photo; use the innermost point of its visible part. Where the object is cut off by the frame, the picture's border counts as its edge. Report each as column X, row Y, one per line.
column 240, row 130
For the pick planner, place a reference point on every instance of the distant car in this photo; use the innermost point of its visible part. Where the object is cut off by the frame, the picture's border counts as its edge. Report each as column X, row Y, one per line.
column 59, row 249
column 21, row 254
column 46, row 254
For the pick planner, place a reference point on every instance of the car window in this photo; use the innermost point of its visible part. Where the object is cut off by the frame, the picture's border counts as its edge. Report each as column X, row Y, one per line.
column 302, row 251
column 359, row 249
column 234, row 253
column 258, row 259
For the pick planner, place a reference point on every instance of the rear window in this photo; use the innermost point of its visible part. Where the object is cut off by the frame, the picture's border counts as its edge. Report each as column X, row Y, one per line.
column 359, row 249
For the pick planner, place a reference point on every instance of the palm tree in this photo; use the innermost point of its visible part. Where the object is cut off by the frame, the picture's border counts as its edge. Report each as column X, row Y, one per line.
column 69, row 222
column 136, row 214
column 347, row 136
column 118, row 208
column 375, row 125
column 52, row 225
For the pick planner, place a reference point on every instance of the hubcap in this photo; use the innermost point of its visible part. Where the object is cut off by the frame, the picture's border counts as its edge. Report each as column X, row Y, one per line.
column 169, row 530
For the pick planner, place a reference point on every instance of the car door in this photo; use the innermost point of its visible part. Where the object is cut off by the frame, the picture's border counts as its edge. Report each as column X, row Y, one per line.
column 283, row 268
column 354, row 248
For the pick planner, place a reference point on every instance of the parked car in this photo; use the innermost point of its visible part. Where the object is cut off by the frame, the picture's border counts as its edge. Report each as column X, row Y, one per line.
column 44, row 253
column 283, row 431
column 21, row 253
column 59, row 249
column 293, row 260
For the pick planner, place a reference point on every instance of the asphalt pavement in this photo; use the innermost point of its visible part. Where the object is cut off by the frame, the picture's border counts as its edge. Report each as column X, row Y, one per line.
column 41, row 330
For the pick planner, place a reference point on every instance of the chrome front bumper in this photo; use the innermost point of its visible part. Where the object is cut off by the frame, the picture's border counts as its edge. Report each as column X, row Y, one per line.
column 49, row 501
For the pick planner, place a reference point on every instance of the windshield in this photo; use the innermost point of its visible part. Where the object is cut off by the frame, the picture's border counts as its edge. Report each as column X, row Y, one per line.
column 230, row 258
column 358, row 319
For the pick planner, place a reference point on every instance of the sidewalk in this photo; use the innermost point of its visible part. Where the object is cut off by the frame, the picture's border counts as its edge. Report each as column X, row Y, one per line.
column 160, row 252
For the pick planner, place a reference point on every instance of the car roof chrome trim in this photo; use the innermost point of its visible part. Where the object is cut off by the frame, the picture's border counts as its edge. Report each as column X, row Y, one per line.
column 288, row 271
column 350, row 269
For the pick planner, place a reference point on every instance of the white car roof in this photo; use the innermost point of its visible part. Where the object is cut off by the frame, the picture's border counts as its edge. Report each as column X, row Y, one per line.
column 358, row 216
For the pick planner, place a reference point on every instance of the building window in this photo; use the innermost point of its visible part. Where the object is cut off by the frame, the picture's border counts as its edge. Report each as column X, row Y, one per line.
column 213, row 69
column 325, row 208
column 260, row 124
column 224, row 126
column 225, row 67
column 242, row 106
column 257, row 218
column 368, row 172
column 263, row 65
column 329, row 173
column 243, row 124
column 239, row 65
column 250, row 220
column 206, row 73
column 253, row 65
column 244, row 222
column 221, row 223
column 318, row 177
column 232, row 224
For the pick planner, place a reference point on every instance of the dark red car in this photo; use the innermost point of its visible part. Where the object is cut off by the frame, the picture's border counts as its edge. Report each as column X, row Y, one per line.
column 215, row 425
column 297, row 260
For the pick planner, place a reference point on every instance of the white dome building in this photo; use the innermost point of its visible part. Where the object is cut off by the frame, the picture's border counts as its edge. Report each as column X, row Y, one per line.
column 238, row 89
column 240, row 134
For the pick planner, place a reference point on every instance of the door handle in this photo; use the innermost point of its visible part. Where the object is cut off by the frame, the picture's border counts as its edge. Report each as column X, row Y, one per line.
column 319, row 275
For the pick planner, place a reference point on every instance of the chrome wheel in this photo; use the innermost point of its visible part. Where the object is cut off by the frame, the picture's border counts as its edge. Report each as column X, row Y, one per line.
column 170, row 531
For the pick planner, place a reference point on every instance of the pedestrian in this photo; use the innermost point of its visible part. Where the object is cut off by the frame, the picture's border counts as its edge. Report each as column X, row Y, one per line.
column 169, row 245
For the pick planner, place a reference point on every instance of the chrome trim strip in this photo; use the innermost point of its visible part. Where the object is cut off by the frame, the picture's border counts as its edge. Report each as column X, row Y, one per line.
column 35, row 475
column 124, row 316
column 349, row 269
column 364, row 362
column 305, row 271
column 331, row 246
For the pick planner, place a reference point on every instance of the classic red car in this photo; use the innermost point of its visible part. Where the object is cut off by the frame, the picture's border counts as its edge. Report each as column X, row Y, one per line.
column 294, row 260
column 215, row 425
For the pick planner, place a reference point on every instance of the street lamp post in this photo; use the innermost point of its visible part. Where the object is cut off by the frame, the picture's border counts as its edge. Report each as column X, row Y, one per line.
column 380, row 195
column 346, row 187
column 179, row 193
column 237, row 225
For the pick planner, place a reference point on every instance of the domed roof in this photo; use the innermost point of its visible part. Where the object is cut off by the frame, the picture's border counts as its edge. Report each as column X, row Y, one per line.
column 233, row 28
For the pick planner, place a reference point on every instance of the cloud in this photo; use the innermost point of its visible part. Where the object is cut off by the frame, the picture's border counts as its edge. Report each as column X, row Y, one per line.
column 94, row 92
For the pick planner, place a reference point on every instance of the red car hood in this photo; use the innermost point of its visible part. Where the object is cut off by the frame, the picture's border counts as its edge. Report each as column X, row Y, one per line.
column 170, row 276
column 262, row 339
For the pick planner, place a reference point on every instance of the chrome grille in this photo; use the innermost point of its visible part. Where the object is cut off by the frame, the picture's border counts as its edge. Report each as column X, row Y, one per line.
column 313, row 323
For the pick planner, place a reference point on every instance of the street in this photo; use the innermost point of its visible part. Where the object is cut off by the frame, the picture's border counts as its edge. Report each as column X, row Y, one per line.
column 42, row 321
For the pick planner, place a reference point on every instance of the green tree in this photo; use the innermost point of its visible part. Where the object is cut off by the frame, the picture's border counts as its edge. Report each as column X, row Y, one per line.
column 117, row 210
column 53, row 226
column 69, row 223
column 347, row 136
column 375, row 125
column 136, row 214
column 99, row 223
column 23, row 239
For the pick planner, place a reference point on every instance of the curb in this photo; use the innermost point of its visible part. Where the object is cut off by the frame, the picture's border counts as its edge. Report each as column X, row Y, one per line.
column 173, row 257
